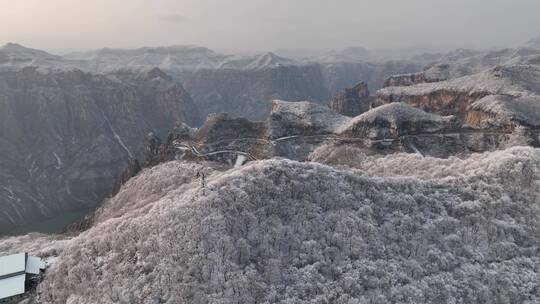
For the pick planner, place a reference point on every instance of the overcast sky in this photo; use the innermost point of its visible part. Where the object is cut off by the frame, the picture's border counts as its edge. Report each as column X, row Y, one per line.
column 256, row 25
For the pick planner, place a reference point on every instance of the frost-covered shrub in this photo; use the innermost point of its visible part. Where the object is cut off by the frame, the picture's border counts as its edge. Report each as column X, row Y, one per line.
column 403, row 229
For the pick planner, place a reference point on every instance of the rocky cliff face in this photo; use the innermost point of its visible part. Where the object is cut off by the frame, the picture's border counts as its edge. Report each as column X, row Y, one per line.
column 404, row 80
column 307, row 131
column 65, row 135
column 491, row 110
column 496, row 107
column 303, row 119
column 248, row 93
column 462, row 62
column 396, row 120
column 292, row 130
column 343, row 74
column 241, row 85
column 352, row 102
column 455, row 94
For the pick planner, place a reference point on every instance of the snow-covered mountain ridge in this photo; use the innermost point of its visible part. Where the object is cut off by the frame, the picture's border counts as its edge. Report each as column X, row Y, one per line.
column 455, row 230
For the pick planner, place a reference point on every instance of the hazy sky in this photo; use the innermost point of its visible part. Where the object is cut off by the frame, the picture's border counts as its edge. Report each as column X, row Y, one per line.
column 267, row 24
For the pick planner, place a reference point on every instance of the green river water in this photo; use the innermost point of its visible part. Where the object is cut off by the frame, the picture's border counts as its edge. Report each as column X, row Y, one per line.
column 49, row 226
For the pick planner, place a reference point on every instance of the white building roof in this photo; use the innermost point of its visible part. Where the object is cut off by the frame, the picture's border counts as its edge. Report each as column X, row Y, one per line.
column 12, row 286
column 13, row 270
column 12, row 264
column 34, row 265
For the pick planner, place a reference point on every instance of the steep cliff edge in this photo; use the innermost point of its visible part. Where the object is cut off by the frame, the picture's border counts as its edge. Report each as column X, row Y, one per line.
column 396, row 120
column 306, row 131
column 463, row 62
column 65, row 135
column 501, row 103
column 352, row 102
column 455, row 97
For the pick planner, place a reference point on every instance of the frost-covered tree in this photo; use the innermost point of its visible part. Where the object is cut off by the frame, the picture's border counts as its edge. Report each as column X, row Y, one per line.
column 398, row 229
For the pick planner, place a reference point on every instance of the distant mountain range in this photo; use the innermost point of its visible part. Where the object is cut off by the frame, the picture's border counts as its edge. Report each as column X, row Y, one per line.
column 242, row 85
column 172, row 58
column 69, row 124
column 426, row 191
column 79, row 119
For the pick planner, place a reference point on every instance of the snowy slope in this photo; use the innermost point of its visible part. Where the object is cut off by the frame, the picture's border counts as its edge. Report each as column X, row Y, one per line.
column 467, row 62
column 166, row 58
column 405, row 229
column 513, row 80
column 15, row 56
column 174, row 58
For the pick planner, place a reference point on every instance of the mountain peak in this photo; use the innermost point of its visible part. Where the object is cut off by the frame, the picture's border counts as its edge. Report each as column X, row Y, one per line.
column 16, row 49
column 270, row 59
column 11, row 45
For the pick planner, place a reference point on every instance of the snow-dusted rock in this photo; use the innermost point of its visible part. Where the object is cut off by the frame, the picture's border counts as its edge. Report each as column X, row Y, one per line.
column 303, row 118
column 394, row 120
column 352, row 102
column 14, row 57
column 503, row 109
column 456, row 95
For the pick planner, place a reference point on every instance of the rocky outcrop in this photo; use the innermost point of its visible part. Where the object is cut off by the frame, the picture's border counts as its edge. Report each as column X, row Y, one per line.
column 302, row 118
column 133, row 167
column 64, row 136
column 454, row 97
column 398, row 127
column 295, row 130
column 442, row 102
column 496, row 108
column 464, row 62
column 222, row 127
column 344, row 74
column 352, row 102
column 395, row 120
column 157, row 151
column 292, row 130
column 404, row 80
column 497, row 111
